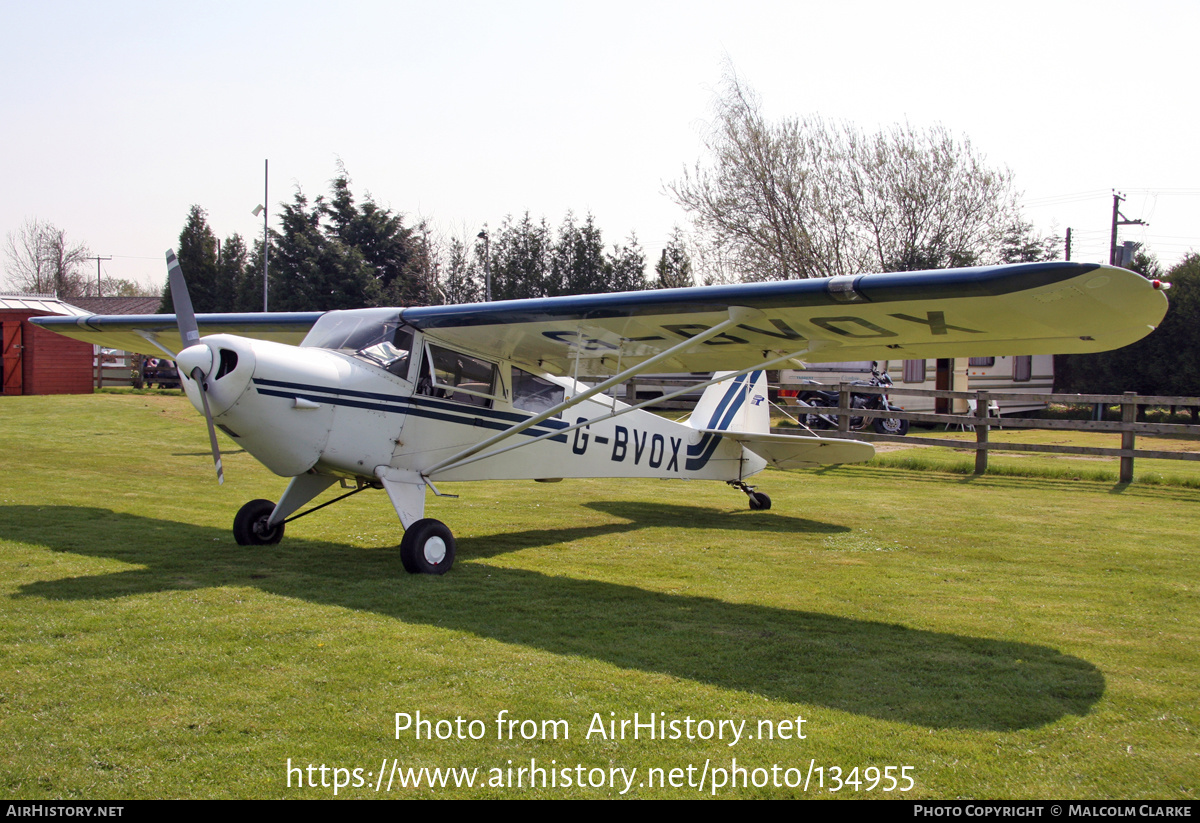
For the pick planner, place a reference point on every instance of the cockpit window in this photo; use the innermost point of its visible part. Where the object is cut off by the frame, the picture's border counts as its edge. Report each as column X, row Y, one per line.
column 391, row 352
column 376, row 336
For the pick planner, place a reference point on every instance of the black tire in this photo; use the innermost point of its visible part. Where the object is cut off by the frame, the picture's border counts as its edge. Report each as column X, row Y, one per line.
column 759, row 502
column 891, row 425
column 427, row 548
column 250, row 525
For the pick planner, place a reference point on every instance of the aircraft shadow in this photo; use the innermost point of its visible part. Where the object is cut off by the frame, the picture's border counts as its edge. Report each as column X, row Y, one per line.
column 933, row 679
column 643, row 515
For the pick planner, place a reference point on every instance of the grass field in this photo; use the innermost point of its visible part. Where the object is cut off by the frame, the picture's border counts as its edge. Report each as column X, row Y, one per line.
column 1001, row 637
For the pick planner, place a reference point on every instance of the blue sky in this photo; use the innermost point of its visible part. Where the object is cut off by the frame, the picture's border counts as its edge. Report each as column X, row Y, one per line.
column 117, row 116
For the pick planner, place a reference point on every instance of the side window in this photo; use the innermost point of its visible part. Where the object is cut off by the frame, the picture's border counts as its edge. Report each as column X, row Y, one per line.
column 914, row 371
column 458, row 377
column 534, row 394
column 981, row 362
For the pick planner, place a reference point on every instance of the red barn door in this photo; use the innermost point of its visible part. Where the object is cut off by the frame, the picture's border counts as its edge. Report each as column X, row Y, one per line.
column 11, row 334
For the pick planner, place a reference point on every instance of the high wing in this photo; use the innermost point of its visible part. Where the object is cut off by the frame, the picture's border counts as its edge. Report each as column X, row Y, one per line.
column 1033, row 308
column 1036, row 308
column 141, row 332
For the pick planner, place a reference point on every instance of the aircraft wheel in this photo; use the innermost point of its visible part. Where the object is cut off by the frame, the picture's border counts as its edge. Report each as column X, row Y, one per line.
column 250, row 525
column 427, row 548
column 759, row 502
column 891, row 425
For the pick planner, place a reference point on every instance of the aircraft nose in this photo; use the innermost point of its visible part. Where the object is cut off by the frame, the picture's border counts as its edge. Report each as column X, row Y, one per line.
column 227, row 364
column 198, row 356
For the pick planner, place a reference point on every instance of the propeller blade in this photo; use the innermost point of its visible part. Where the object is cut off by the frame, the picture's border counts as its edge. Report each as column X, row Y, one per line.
column 198, row 376
column 185, row 317
column 189, row 332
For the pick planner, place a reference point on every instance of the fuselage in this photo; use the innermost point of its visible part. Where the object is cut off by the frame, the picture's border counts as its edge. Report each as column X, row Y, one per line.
column 364, row 391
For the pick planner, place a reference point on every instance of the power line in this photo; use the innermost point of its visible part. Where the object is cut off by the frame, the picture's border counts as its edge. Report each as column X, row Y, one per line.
column 1056, row 199
column 99, row 281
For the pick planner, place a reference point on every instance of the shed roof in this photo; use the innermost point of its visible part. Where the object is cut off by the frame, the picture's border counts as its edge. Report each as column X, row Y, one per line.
column 46, row 303
column 119, row 305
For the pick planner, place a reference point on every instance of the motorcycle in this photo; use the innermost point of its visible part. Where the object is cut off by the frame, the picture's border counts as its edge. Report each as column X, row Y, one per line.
column 817, row 398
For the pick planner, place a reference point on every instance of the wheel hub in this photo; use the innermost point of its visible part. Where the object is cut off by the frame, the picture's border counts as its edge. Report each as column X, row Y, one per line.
column 434, row 550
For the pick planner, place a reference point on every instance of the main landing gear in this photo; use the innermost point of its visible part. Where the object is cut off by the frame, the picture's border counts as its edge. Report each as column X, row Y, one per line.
column 758, row 500
column 428, row 546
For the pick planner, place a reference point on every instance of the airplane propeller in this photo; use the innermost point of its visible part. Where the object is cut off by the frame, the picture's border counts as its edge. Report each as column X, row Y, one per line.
column 196, row 359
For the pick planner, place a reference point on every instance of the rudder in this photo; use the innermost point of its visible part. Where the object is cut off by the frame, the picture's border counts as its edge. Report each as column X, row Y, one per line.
column 736, row 404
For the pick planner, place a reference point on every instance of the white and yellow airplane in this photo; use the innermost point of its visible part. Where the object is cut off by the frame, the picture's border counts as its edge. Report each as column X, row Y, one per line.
column 400, row 398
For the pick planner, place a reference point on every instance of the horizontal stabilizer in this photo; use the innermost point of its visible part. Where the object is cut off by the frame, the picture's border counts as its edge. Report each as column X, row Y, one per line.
column 789, row 451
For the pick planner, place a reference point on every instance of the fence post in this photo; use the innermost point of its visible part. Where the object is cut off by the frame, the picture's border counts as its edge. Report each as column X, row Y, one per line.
column 631, row 392
column 981, row 432
column 1128, row 415
column 844, row 408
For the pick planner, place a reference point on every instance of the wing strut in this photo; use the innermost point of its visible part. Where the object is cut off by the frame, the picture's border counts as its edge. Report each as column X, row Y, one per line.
column 725, row 376
column 152, row 340
column 737, row 314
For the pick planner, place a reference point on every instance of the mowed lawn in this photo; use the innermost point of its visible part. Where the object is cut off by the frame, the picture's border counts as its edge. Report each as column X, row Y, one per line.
column 995, row 637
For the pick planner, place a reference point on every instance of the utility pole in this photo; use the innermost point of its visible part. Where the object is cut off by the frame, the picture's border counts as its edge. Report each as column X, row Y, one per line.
column 99, row 289
column 266, row 213
column 487, row 262
column 1068, row 242
column 1118, row 219
column 266, row 234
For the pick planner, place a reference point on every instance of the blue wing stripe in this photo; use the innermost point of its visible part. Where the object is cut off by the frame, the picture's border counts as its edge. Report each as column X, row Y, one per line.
column 896, row 286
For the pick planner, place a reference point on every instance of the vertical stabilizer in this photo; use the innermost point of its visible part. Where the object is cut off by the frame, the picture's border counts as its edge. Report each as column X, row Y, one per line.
column 738, row 404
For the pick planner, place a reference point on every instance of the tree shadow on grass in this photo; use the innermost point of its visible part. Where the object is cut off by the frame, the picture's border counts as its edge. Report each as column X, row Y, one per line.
column 880, row 670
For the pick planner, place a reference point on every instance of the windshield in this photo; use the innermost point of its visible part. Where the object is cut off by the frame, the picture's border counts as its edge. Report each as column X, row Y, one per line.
column 374, row 335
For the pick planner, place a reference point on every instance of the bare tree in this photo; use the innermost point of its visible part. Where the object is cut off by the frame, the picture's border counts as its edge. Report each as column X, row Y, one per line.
column 42, row 261
column 802, row 197
column 756, row 197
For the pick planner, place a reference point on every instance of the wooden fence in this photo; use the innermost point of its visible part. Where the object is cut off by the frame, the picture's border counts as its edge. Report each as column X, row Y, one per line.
column 111, row 369
column 1128, row 428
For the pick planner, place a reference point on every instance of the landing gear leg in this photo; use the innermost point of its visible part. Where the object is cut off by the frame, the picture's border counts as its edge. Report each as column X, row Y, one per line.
column 252, row 525
column 758, row 500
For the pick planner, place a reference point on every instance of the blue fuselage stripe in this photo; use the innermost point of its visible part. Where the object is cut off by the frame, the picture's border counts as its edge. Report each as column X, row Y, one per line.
column 423, row 407
column 511, row 417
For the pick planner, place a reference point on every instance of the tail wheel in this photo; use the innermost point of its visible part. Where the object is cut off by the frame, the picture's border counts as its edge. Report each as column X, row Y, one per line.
column 427, row 548
column 250, row 525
